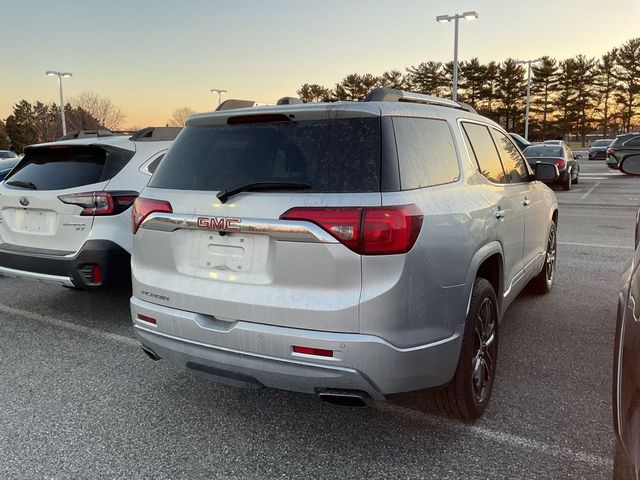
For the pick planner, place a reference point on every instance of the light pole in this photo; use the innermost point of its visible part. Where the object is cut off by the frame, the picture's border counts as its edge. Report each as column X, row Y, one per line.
column 447, row 19
column 526, row 113
column 52, row 73
column 219, row 91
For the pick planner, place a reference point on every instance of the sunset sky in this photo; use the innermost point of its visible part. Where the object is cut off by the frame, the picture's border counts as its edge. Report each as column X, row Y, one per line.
column 151, row 57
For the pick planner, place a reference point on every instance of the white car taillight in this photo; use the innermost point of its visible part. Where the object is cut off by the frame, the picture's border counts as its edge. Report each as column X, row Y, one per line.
column 100, row 203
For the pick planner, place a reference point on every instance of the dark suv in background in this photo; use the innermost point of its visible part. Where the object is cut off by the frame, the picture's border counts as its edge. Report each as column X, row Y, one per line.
column 598, row 149
column 623, row 145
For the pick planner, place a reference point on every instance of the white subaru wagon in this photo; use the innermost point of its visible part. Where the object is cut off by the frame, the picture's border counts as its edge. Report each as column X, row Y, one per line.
column 65, row 207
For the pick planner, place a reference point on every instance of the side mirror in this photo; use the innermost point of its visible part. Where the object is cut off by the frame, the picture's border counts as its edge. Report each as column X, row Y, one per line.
column 630, row 164
column 577, row 157
column 546, row 172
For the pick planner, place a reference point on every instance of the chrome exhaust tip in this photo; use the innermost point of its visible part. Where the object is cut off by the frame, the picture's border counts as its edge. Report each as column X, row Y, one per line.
column 344, row 398
column 150, row 353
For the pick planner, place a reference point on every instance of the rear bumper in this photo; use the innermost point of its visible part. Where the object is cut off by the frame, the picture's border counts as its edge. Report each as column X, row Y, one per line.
column 113, row 260
column 252, row 355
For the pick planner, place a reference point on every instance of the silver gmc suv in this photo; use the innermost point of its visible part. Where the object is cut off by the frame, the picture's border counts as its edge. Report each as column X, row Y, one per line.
column 351, row 250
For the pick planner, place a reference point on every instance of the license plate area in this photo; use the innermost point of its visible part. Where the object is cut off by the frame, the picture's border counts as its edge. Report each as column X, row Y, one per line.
column 34, row 221
column 227, row 253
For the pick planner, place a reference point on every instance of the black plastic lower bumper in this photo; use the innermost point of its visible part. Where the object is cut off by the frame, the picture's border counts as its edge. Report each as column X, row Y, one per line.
column 113, row 261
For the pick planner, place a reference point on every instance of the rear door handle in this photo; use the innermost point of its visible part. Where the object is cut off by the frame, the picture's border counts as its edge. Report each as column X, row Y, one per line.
column 500, row 213
column 526, row 202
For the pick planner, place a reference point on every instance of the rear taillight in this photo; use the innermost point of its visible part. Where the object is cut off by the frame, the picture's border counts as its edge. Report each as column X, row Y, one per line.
column 560, row 163
column 100, row 203
column 143, row 207
column 366, row 230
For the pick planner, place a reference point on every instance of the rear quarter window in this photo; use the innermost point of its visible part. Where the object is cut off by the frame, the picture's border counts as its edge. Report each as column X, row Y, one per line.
column 62, row 167
column 426, row 152
column 483, row 149
column 336, row 155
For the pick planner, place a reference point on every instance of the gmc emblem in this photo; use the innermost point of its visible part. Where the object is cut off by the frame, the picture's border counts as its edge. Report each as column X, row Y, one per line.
column 219, row 223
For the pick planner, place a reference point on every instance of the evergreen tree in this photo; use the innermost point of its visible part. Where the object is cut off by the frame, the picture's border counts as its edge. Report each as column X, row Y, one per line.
column 472, row 82
column 543, row 87
column 426, row 78
column 627, row 73
column 511, row 84
column 605, row 86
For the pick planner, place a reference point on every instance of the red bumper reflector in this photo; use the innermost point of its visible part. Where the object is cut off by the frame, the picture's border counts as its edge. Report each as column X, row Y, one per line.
column 96, row 274
column 144, row 318
column 319, row 352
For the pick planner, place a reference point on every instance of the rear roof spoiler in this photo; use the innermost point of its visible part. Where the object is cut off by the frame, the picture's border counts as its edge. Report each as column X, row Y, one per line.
column 233, row 104
column 395, row 95
column 100, row 132
column 156, row 134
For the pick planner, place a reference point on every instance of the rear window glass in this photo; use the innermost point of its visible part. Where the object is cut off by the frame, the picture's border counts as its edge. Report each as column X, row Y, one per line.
column 340, row 155
column 7, row 164
column 58, row 168
column 543, row 151
column 635, row 141
column 426, row 152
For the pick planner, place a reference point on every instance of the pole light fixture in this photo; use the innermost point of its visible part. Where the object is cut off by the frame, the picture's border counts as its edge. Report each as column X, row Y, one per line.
column 471, row 15
column 528, row 63
column 219, row 91
column 60, row 75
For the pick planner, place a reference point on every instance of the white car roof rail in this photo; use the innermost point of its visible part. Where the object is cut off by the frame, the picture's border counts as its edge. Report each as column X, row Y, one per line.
column 383, row 94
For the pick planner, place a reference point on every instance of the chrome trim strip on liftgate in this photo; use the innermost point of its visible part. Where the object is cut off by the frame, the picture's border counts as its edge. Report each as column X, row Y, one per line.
column 290, row 230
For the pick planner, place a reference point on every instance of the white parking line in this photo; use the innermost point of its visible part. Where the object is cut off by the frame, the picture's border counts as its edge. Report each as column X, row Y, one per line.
column 91, row 332
column 602, row 174
column 497, row 436
column 595, row 245
column 589, row 191
column 504, row 438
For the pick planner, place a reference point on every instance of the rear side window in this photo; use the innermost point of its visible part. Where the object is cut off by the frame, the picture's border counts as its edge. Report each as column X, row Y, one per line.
column 514, row 164
column 61, row 167
column 153, row 164
column 341, row 155
column 634, row 142
column 484, row 151
column 426, row 152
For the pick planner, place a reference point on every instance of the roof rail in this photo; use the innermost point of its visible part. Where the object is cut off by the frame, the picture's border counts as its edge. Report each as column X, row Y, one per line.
column 394, row 95
column 233, row 104
column 289, row 101
column 100, row 132
column 156, row 134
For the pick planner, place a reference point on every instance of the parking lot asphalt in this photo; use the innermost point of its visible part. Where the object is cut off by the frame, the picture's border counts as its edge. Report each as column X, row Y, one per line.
column 80, row 400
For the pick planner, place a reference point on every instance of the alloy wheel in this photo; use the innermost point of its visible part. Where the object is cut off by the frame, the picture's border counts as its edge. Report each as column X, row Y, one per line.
column 485, row 348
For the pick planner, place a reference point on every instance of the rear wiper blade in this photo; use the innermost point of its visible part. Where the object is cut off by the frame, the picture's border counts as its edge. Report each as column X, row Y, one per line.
column 21, row 184
column 224, row 195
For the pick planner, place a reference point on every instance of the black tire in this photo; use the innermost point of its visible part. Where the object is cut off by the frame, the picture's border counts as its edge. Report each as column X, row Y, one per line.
column 543, row 282
column 466, row 396
column 622, row 468
column 566, row 185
